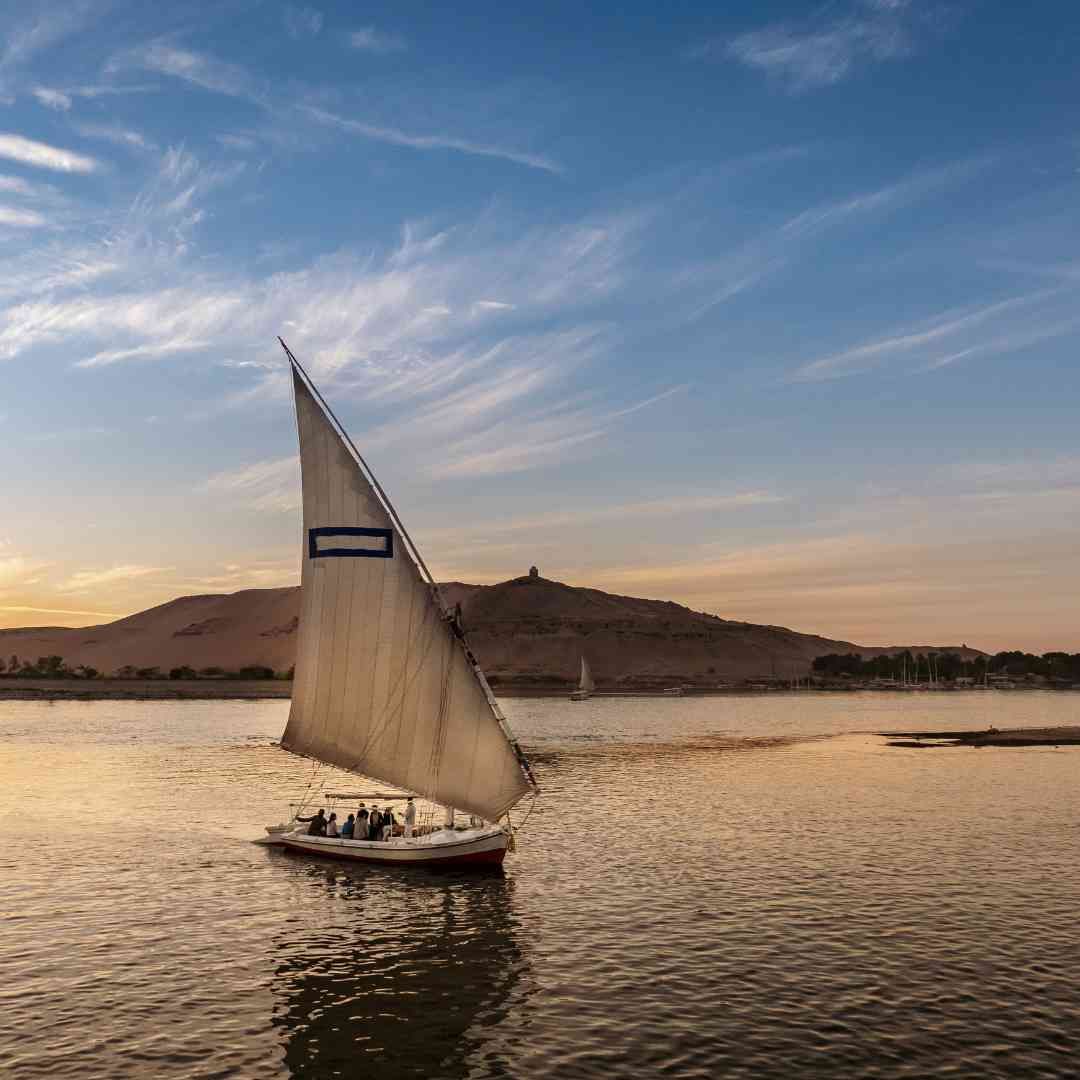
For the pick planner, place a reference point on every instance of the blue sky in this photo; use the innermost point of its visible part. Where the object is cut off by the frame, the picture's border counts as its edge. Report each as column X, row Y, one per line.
column 770, row 309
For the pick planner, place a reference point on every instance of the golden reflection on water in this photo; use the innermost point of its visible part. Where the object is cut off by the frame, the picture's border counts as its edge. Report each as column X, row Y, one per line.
column 411, row 973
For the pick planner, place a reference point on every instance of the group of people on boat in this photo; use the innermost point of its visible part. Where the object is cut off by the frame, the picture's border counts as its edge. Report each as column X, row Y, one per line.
column 365, row 824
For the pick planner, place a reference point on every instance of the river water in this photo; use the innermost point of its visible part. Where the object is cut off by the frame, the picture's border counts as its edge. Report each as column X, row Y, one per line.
column 735, row 886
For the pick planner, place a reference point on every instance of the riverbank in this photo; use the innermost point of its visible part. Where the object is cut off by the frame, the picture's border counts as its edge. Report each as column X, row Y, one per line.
column 257, row 689
column 1050, row 736
column 142, row 689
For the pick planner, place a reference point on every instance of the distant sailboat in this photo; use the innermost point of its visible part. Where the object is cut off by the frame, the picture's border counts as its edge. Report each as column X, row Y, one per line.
column 385, row 683
column 585, row 684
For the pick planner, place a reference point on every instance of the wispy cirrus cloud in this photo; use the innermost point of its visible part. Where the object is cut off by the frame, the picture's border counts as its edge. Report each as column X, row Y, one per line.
column 431, row 141
column 93, row 91
column 51, row 98
column 209, row 73
column 16, row 185
column 369, row 39
column 463, row 430
column 142, row 352
column 23, row 608
column 119, row 136
column 25, row 37
column 198, row 69
column 168, row 318
column 87, row 580
column 43, row 156
column 590, row 515
column 724, row 277
column 828, row 47
column 235, row 141
column 378, row 321
column 253, row 574
column 265, row 486
column 15, row 567
column 538, row 439
column 21, row 219
column 953, row 336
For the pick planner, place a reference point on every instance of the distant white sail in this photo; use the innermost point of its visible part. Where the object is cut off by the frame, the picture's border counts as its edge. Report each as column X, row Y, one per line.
column 383, row 684
column 586, row 683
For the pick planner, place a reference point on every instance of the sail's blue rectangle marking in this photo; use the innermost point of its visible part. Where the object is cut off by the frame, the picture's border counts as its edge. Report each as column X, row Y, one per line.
column 357, row 549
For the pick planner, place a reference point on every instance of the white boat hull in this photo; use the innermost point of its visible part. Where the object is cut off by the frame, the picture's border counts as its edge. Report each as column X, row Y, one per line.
column 472, row 847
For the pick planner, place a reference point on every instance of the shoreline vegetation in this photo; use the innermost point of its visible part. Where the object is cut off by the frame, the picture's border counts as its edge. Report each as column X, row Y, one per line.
column 943, row 669
column 25, row 688
column 51, row 677
column 98, row 689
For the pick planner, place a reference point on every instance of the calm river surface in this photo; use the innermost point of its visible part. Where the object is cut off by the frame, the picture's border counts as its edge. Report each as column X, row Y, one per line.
column 736, row 886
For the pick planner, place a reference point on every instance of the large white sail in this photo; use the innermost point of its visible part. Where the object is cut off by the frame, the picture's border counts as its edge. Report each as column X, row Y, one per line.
column 586, row 683
column 383, row 684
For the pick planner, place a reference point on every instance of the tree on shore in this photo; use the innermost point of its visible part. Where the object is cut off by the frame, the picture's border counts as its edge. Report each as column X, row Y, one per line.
column 51, row 667
column 1058, row 666
column 255, row 671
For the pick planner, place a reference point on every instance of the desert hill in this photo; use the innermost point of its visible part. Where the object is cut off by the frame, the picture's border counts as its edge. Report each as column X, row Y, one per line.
column 256, row 626
column 532, row 630
column 526, row 631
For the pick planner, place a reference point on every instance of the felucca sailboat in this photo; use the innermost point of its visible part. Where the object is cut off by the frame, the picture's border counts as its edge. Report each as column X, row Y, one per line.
column 385, row 684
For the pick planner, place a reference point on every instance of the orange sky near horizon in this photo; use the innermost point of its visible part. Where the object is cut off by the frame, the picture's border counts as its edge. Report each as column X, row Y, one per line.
column 867, row 587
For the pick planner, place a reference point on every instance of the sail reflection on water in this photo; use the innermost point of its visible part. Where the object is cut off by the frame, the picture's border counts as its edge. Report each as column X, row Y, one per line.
column 398, row 972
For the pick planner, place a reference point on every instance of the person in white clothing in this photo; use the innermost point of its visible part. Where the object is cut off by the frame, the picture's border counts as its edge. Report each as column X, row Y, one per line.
column 410, row 817
column 388, row 823
column 331, row 826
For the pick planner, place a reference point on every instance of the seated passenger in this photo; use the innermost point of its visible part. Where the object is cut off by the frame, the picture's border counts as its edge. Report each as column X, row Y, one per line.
column 331, row 826
column 347, row 828
column 360, row 832
column 318, row 823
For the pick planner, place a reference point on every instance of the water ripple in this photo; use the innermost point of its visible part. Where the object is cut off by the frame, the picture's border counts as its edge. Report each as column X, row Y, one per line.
column 706, row 888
